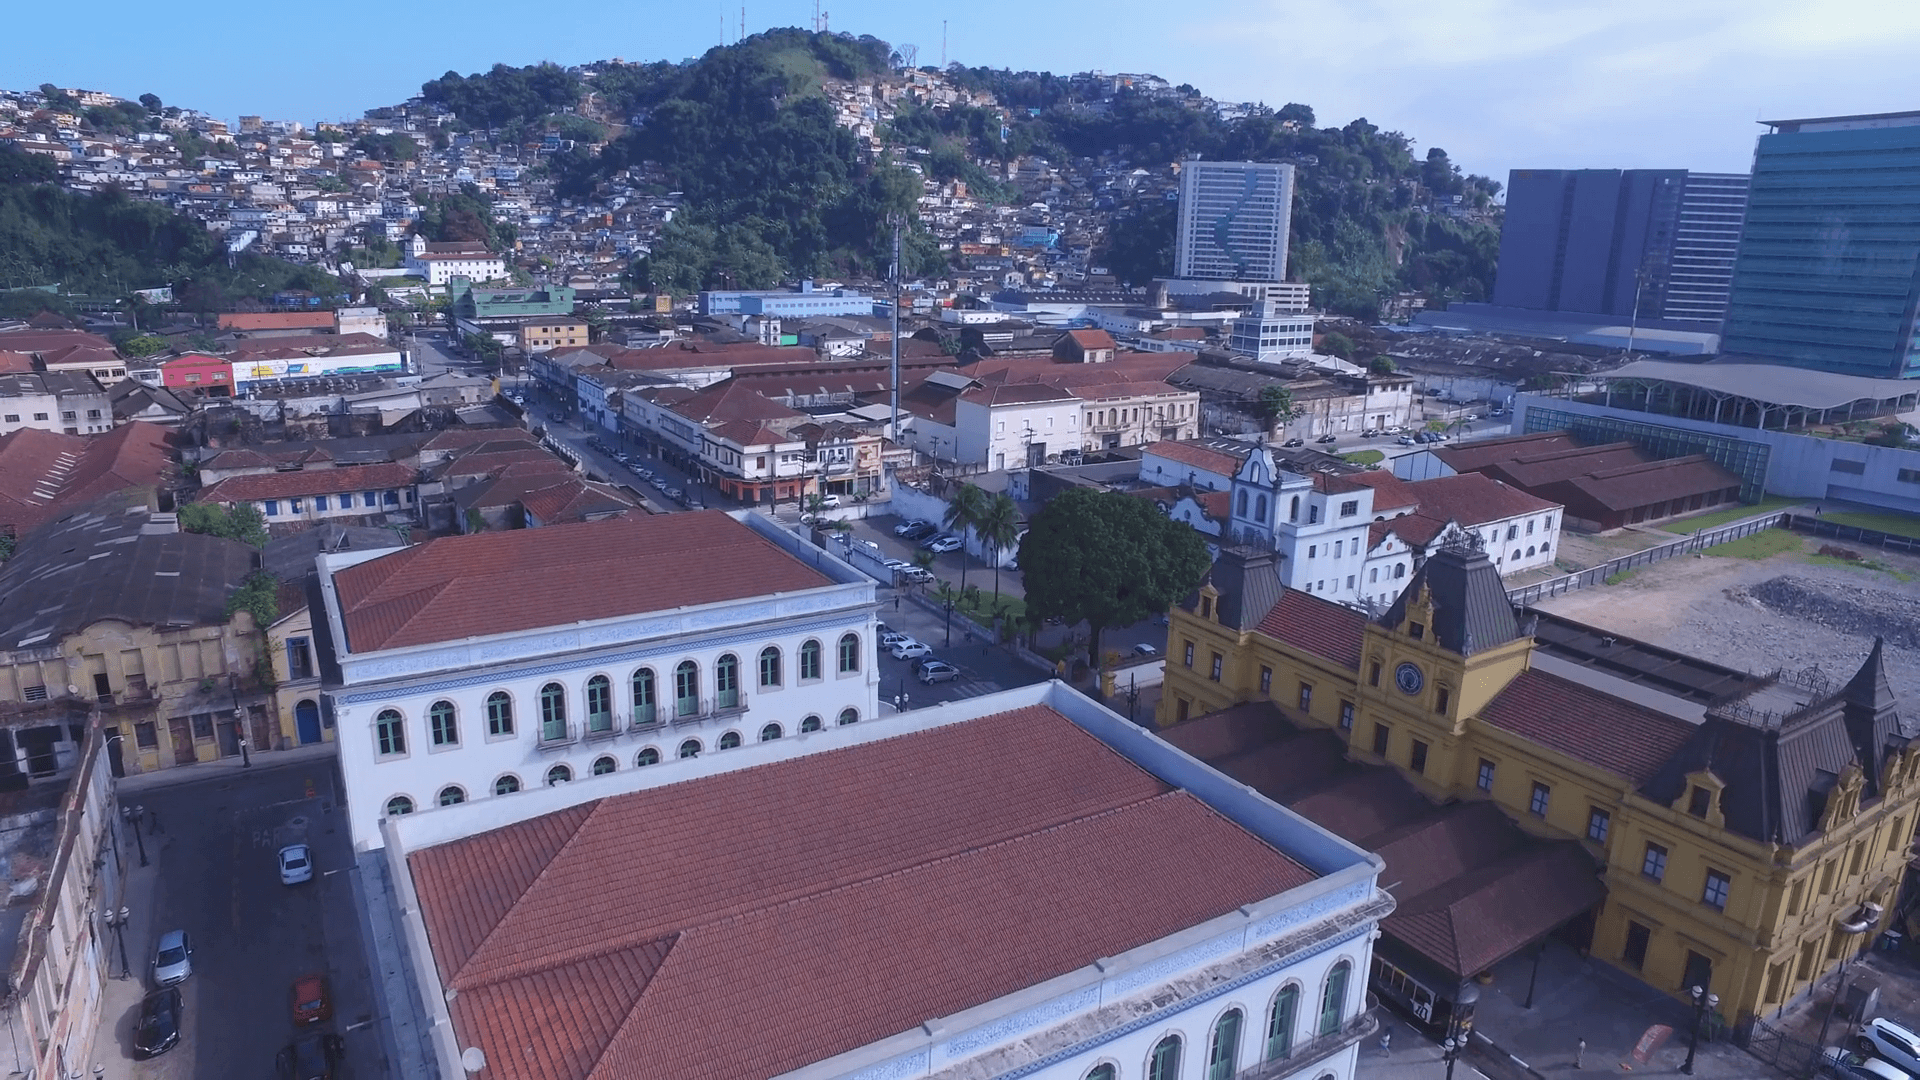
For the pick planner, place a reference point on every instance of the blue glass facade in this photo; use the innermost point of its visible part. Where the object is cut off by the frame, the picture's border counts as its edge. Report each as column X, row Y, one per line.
column 1828, row 273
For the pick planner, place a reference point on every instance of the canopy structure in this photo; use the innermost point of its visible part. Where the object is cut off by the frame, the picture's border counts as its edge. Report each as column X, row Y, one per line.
column 1754, row 395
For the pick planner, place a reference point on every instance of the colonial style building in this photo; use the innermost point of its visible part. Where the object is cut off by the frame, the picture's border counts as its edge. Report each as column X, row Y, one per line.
column 1751, row 831
column 476, row 667
column 1096, row 904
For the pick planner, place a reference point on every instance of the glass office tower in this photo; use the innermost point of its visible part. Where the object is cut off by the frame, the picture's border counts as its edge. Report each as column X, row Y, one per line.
column 1828, row 272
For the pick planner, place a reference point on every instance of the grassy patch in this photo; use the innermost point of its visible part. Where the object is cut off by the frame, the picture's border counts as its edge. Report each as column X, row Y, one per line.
column 1364, row 457
column 1689, row 526
column 1620, row 578
column 1870, row 565
column 1897, row 524
column 1761, row 545
column 981, row 607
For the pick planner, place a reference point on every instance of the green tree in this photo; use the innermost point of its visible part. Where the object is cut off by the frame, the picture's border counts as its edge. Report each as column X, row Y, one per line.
column 1275, row 403
column 1139, row 246
column 1109, row 558
column 136, row 345
column 998, row 526
column 1382, row 365
column 151, row 103
column 258, row 596
column 1335, row 343
column 240, row 522
column 964, row 511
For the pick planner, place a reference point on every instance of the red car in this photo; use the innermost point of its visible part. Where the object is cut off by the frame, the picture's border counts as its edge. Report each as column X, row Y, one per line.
column 311, row 1005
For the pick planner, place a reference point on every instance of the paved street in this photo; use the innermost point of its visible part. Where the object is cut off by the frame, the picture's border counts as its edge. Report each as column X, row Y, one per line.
column 214, row 874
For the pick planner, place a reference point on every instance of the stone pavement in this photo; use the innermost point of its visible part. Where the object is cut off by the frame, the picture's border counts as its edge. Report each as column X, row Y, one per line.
column 405, row 1034
column 120, row 999
column 131, row 785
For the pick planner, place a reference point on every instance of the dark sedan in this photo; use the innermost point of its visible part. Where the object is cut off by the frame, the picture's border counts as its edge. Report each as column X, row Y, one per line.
column 159, row 1029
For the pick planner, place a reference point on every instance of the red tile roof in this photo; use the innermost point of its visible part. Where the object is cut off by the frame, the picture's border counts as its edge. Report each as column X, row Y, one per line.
column 277, row 320
column 1093, row 339
column 1475, row 499
column 253, row 487
column 1587, row 725
column 1195, row 455
column 44, row 473
column 33, row 341
column 1321, row 627
column 15, row 363
column 879, row 877
column 1478, row 454
column 451, row 588
column 1389, row 491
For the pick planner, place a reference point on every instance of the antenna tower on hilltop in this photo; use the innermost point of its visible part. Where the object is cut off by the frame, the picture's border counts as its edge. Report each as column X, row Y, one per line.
column 943, row 44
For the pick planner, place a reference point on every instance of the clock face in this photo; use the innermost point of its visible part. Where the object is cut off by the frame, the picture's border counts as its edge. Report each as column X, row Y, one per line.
column 1408, row 678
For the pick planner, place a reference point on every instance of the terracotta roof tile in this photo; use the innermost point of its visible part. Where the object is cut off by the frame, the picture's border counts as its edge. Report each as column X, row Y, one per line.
column 344, row 479
column 1474, row 499
column 1321, row 627
column 1199, row 457
column 879, row 877
column 450, row 588
column 43, row 474
column 1587, row 724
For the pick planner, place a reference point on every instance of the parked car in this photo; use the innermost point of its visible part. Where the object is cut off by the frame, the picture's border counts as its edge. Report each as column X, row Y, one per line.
column 172, row 958
column 891, row 638
column 1144, row 649
column 1846, row 1064
column 1883, row 1038
column 908, row 649
column 906, row 527
column 938, row 671
column 918, row 574
column 309, row 1001
column 919, row 530
column 1327, row 438
column 296, row 864
column 672, row 492
column 1405, row 440
column 1296, row 441
column 311, row 1057
column 944, row 543
column 159, row 1029
column 898, row 566
column 829, row 500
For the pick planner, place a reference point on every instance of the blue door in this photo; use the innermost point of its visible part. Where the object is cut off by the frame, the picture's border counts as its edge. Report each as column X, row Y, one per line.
column 306, row 719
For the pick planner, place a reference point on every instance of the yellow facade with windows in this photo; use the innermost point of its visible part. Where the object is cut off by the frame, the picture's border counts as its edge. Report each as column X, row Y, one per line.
column 1716, row 869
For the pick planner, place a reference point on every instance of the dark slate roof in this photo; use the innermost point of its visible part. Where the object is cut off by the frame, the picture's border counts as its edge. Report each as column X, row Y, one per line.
column 290, row 558
column 102, row 562
column 1248, row 584
column 1471, row 612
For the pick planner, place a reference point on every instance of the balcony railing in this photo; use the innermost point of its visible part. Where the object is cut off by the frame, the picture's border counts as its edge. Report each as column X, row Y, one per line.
column 603, row 725
column 646, row 717
column 555, row 733
column 1316, row 1049
column 690, row 711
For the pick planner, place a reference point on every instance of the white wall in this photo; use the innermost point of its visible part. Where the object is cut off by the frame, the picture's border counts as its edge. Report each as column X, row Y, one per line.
column 997, row 437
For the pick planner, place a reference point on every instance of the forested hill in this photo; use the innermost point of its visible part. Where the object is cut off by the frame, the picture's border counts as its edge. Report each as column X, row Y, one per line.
column 776, row 188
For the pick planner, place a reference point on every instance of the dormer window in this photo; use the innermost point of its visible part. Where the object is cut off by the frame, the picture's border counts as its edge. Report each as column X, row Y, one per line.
column 1699, row 801
column 1206, row 607
column 1416, row 630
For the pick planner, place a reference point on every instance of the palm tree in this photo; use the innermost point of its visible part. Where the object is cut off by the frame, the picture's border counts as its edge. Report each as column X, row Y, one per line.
column 964, row 512
column 998, row 526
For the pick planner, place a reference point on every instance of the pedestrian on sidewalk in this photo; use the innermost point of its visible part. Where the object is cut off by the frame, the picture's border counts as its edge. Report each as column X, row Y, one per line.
column 153, row 822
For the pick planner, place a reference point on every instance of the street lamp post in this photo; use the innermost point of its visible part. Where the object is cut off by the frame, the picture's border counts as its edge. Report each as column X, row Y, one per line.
column 117, row 921
column 947, row 602
column 1450, row 1049
column 132, row 816
column 1703, row 1003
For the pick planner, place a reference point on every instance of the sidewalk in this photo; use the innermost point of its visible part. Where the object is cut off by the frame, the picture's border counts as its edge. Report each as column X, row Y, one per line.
column 120, row 999
column 134, row 783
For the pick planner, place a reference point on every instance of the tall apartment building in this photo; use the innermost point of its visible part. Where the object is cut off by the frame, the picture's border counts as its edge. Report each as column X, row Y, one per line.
column 1828, row 274
column 1234, row 217
column 1593, row 240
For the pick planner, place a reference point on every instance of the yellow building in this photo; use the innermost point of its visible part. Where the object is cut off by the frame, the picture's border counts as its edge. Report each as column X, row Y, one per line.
column 111, row 609
column 552, row 332
column 1750, row 830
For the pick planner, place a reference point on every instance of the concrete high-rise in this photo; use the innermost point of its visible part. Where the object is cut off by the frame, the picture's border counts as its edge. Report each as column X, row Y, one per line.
column 1828, row 273
column 1612, row 242
column 1234, row 217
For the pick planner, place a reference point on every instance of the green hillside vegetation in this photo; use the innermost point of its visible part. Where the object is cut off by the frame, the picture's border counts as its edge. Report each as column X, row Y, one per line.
column 106, row 244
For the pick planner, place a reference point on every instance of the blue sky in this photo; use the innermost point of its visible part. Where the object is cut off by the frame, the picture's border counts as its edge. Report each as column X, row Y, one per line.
column 1500, row 84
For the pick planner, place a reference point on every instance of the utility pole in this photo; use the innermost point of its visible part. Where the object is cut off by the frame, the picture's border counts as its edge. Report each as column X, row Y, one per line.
column 943, row 44
column 894, row 279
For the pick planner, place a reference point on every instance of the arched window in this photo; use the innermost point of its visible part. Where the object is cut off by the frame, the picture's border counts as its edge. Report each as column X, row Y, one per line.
column 643, row 697
column 559, row 774
column 1224, row 1049
column 1101, row 1072
column 1530, row 551
column 1164, row 1062
column 646, row 757
column 1293, row 511
column 849, row 715
column 553, row 711
column 1260, row 509
column 506, row 785
column 726, row 681
column 442, row 730
column 810, row 660
column 452, row 795
column 1280, row 1022
column 1400, row 570
column 811, row 723
column 769, row 667
column 604, row 764
column 849, row 653
column 686, row 689
column 1544, row 548
column 1333, row 998
column 770, row 733
column 390, row 732
column 1516, row 553
column 690, row 748
column 1240, row 502
column 599, row 704
column 499, row 713
column 730, row 740
column 399, row 805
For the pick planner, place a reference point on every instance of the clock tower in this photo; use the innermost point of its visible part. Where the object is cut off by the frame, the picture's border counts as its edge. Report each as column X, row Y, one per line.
column 1443, row 650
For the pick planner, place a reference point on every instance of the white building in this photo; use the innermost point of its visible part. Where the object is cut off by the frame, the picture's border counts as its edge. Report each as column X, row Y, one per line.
column 360, row 320
column 1234, row 217
column 1058, row 867
column 66, row 401
column 1269, row 334
column 482, row 666
column 440, row 268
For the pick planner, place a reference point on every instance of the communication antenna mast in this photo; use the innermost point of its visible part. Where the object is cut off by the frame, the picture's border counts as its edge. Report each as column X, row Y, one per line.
column 743, row 22
column 943, row 44
column 893, row 278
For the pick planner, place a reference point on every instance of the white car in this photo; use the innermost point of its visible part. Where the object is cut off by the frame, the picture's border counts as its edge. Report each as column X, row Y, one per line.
column 908, row 649
column 172, row 958
column 1883, row 1038
column 1845, row 1064
column 1144, row 649
column 296, row 864
column 829, row 500
column 938, row 671
column 940, row 545
column 893, row 637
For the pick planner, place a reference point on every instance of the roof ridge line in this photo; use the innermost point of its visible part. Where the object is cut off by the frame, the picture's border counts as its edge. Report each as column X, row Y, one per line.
column 572, row 838
column 673, row 941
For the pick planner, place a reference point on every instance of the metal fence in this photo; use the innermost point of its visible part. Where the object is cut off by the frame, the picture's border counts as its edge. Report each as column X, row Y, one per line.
column 1795, row 1057
column 1597, row 575
column 1852, row 534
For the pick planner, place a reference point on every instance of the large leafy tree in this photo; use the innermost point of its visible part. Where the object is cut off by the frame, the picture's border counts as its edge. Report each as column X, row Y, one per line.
column 966, row 510
column 1109, row 558
column 240, row 522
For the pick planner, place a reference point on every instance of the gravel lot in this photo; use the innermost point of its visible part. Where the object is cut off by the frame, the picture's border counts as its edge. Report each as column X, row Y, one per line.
column 1763, row 614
